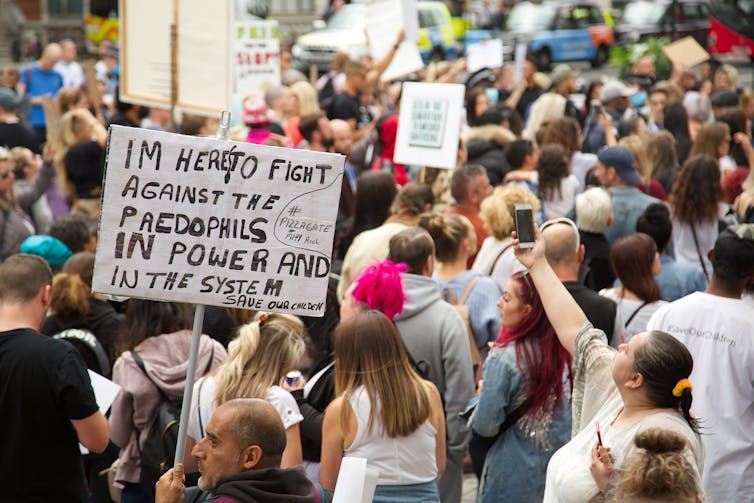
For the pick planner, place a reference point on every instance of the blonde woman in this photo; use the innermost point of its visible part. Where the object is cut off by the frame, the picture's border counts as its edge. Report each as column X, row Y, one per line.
column 650, row 186
column 301, row 101
column 495, row 257
column 384, row 412
column 258, row 359
column 80, row 160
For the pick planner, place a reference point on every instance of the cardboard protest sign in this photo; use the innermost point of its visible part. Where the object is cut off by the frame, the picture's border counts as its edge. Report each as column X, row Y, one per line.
column 429, row 124
column 203, row 32
column 257, row 60
column 484, row 54
column 145, row 52
column 214, row 222
column 386, row 18
column 686, row 51
column 204, row 55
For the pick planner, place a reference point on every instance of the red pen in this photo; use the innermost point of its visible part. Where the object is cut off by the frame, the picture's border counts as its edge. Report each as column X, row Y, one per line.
column 599, row 436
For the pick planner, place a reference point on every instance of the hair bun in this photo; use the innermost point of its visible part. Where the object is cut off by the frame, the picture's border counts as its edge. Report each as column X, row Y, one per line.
column 660, row 441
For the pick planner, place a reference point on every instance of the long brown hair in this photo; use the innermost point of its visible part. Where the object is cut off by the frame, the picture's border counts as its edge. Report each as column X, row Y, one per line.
column 150, row 318
column 709, row 139
column 662, row 157
column 552, row 166
column 697, row 191
column 631, row 257
column 369, row 352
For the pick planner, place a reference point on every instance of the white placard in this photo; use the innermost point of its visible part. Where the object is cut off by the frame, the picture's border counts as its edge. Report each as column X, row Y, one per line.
column 105, row 392
column 518, row 62
column 429, row 124
column 484, row 54
column 256, row 61
column 204, row 55
column 407, row 60
column 386, row 18
column 356, row 481
column 215, row 222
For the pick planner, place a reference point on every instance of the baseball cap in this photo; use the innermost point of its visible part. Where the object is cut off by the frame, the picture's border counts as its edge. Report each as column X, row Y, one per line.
column 560, row 74
column 8, row 99
column 622, row 160
column 725, row 98
column 615, row 89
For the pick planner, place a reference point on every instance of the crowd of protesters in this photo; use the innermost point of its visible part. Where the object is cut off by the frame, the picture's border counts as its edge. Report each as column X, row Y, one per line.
column 611, row 361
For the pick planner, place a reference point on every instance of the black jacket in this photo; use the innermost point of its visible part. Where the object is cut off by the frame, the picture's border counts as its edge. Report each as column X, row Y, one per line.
column 486, row 146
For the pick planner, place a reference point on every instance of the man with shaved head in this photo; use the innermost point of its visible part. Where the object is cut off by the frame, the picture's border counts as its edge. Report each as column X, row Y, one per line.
column 37, row 80
column 565, row 253
column 239, row 460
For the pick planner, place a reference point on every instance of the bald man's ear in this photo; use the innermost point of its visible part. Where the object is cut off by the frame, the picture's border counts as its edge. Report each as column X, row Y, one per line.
column 251, row 456
column 580, row 254
column 711, row 255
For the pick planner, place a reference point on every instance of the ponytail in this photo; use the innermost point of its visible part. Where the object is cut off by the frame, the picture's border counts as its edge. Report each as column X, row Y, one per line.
column 70, row 296
column 685, row 402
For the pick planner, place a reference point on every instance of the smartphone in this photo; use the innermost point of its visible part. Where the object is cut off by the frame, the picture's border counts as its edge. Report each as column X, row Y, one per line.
column 596, row 105
column 492, row 95
column 599, row 435
column 524, row 225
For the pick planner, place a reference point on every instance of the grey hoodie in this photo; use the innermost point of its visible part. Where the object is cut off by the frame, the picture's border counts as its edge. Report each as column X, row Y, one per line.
column 435, row 334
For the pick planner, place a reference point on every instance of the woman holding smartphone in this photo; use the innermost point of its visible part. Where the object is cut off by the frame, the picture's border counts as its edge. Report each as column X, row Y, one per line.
column 642, row 385
column 524, row 404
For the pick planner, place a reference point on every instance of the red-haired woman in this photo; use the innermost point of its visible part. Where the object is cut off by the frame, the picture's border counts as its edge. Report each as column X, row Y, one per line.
column 525, row 400
column 635, row 261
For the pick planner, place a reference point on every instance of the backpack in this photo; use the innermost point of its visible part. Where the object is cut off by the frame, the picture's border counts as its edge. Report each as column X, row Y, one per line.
column 157, row 452
column 463, row 310
column 90, row 347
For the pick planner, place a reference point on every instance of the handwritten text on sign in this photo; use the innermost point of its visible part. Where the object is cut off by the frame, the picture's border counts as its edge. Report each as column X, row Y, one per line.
column 428, row 122
column 215, row 222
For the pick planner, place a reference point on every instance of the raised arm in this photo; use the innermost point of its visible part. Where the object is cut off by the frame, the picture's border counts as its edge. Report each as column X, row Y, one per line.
column 564, row 313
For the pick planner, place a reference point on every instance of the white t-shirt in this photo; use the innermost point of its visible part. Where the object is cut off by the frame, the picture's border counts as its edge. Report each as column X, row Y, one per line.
column 581, row 163
column 684, row 246
column 562, row 205
column 727, row 165
column 597, row 399
column 628, row 307
column 719, row 333
column 283, row 402
column 504, row 267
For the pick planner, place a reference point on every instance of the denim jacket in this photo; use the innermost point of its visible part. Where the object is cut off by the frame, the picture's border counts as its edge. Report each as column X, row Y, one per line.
column 628, row 205
column 516, row 464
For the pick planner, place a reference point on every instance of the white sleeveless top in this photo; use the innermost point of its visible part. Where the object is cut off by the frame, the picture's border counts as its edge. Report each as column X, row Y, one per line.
column 400, row 460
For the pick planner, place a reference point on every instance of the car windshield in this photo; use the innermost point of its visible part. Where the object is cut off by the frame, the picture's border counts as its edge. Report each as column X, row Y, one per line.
column 529, row 17
column 348, row 17
column 642, row 13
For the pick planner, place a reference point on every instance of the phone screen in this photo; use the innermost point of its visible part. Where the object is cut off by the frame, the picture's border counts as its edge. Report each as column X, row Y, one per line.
column 524, row 225
column 492, row 95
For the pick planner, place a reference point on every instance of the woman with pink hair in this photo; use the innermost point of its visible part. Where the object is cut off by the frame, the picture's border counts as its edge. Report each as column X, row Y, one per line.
column 378, row 288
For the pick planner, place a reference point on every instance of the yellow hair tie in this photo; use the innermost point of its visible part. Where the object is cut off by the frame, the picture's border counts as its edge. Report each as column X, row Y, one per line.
column 681, row 386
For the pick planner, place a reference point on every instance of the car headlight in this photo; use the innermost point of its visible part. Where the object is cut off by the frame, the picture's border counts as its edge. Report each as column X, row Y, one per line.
column 297, row 51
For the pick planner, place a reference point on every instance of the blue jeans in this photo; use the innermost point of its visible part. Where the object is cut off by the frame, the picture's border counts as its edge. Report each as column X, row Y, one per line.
column 414, row 493
column 133, row 493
